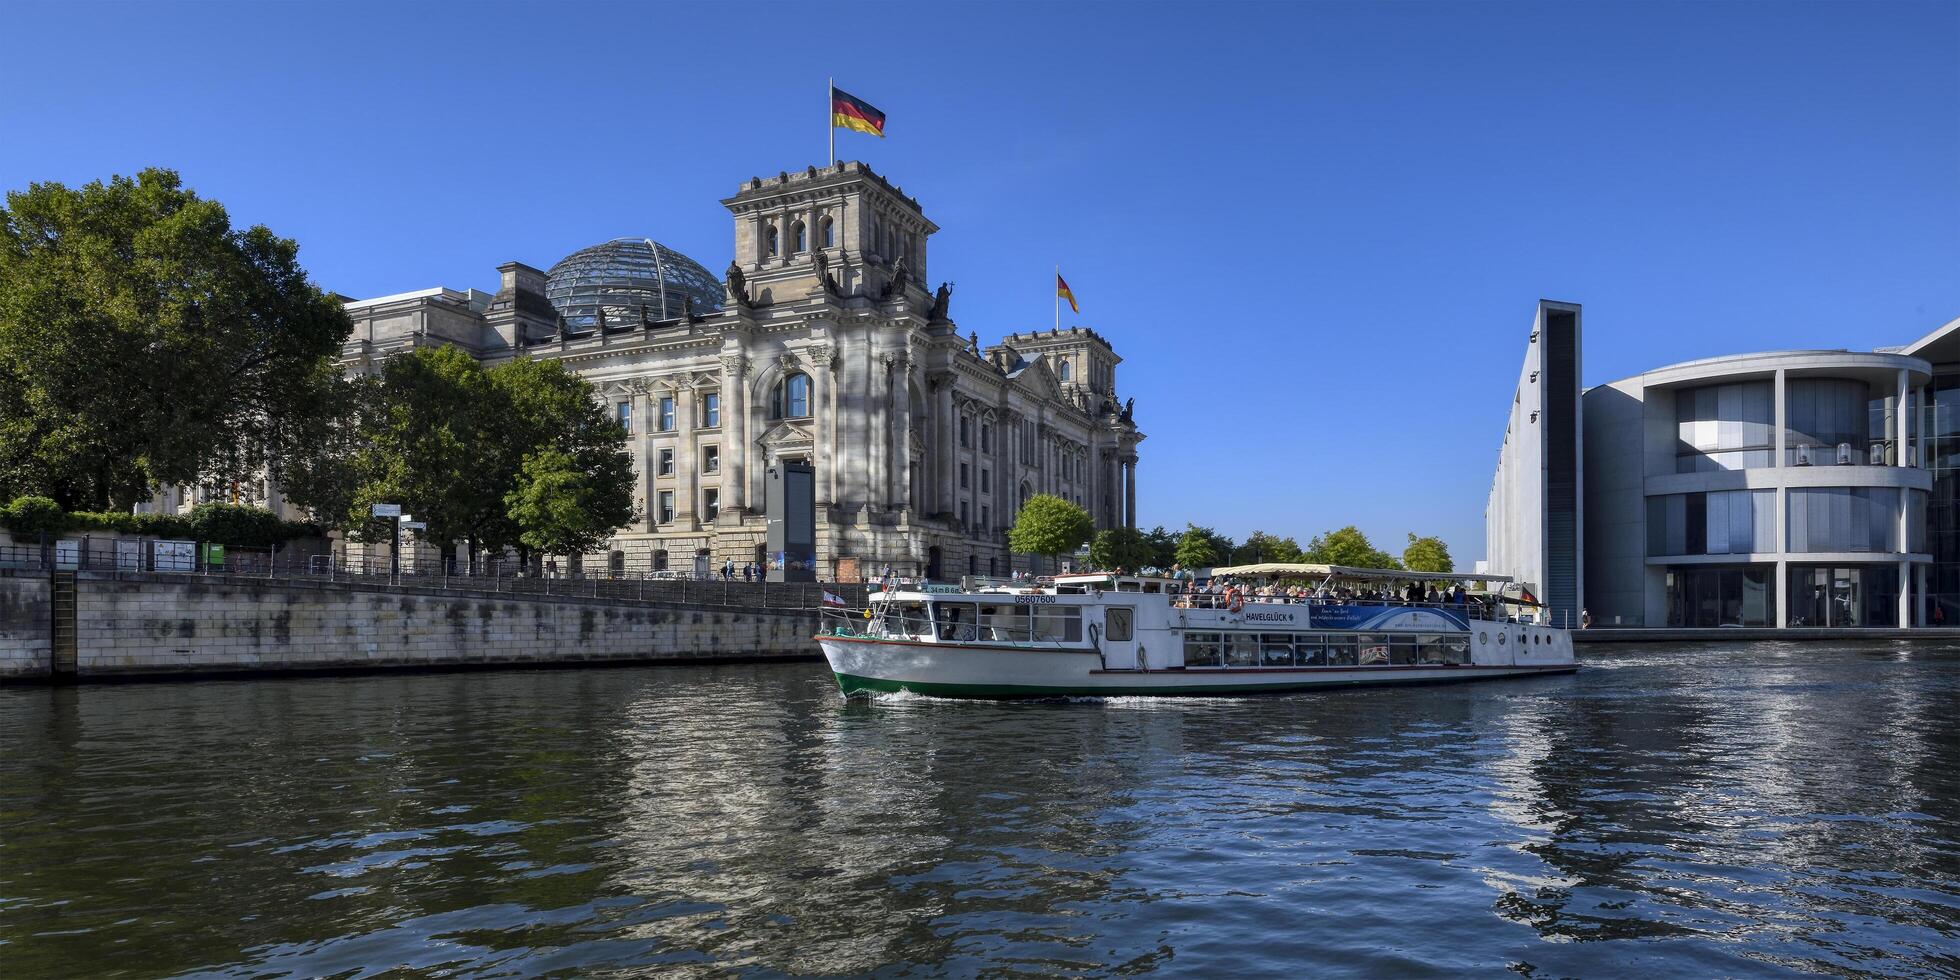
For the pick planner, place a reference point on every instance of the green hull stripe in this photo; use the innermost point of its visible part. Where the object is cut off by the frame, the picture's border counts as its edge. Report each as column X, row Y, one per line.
column 853, row 684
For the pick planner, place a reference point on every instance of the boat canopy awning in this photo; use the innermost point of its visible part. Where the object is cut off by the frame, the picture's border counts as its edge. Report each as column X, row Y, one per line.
column 1281, row 569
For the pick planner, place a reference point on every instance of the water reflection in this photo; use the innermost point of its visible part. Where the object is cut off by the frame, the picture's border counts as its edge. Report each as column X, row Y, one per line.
column 1728, row 811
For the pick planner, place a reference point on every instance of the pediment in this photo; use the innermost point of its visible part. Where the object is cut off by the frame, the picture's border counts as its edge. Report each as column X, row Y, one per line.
column 787, row 437
column 1040, row 379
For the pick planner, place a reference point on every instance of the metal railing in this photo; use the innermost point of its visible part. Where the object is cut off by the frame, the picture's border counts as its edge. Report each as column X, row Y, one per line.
column 504, row 577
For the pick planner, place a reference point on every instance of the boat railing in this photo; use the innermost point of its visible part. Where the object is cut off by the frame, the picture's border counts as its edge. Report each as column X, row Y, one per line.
column 1476, row 609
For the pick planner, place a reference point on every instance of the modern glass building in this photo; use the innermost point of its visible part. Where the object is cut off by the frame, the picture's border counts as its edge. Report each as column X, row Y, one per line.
column 1791, row 488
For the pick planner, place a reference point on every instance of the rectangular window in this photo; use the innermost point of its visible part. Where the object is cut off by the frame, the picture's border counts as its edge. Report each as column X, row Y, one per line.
column 963, row 476
column 1844, row 519
column 710, row 504
column 984, row 514
column 1119, row 624
column 1340, row 650
column 1725, row 522
column 660, row 561
column 963, row 512
column 664, row 465
column 1203, row 650
column 711, row 410
column 666, row 506
column 966, row 432
column 710, row 459
column 986, row 480
column 986, row 437
column 667, row 414
column 625, row 410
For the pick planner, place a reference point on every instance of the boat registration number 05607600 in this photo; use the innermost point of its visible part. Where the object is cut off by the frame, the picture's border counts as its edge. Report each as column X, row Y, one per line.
column 1034, row 599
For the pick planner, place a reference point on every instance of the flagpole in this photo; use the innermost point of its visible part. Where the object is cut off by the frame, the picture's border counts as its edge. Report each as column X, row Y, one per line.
column 830, row 125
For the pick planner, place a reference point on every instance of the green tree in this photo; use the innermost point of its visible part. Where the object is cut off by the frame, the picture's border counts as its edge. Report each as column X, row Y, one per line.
column 1048, row 525
column 1163, row 546
column 1198, row 547
column 518, row 456
column 1348, row 546
column 144, row 341
column 566, row 508
column 1121, row 547
column 1262, row 547
column 1427, row 555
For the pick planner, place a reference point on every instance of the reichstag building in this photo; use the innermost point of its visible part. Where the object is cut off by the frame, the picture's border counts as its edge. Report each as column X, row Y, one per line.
column 821, row 343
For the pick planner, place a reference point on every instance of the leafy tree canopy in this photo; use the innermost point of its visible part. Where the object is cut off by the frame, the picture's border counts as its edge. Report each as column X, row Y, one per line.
column 1427, row 555
column 1262, row 547
column 1348, row 546
column 519, row 455
column 1048, row 525
column 1201, row 547
column 145, row 341
column 1163, row 546
column 1121, row 547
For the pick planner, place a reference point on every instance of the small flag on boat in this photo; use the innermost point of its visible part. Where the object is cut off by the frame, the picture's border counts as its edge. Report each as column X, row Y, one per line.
column 847, row 111
column 831, row 600
column 1062, row 290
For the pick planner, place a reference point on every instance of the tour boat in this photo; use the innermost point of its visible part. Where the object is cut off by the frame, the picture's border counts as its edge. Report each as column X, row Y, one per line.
column 1104, row 635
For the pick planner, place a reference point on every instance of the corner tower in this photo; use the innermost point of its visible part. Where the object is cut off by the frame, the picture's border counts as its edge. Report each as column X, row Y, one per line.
column 843, row 222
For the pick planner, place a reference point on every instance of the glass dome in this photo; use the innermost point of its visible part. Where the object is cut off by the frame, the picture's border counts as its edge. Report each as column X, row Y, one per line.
column 623, row 275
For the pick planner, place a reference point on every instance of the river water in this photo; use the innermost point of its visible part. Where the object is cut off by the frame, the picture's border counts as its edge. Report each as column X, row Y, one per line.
column 1756, row 810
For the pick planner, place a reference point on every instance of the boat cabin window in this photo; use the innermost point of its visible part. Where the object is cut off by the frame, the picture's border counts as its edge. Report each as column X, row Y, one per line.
column 1276, row 650
column 1061, row 624
column 1128, row 585
column 1241, row 650
column 1338, row 650
column 1203, row 650
column 1119, row 624
column 1444, row 648
column 956, row 620
column 1371, row 649
column 907, row 618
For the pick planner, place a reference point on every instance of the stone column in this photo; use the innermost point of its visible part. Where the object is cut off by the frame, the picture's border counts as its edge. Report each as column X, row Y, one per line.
column 735, row 426
column 643, row 455
column 901, row 435
column 823, row 415
column 688, row 485
column 1130, row 492
column 949, row 450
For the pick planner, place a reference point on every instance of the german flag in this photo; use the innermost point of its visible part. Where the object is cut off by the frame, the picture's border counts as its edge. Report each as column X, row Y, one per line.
column 1062, row 290
column 851, row 112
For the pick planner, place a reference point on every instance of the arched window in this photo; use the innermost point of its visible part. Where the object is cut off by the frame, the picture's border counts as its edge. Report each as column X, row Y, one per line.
column 799, row 241
column 1065, row 371
column 769, row 243
column 793, row 397
column 828, row 232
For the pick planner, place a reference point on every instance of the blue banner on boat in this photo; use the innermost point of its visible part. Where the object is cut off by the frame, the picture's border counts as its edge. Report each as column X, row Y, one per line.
column 1386, row 618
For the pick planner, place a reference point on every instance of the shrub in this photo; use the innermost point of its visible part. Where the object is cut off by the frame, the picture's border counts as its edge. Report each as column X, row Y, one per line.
column 32, row 516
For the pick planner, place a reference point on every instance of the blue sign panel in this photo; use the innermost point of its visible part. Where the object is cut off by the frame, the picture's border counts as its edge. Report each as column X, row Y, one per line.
column 1367, row 617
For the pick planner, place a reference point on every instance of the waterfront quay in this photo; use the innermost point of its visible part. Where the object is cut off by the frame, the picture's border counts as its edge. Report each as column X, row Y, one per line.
column 91, row 619
column 1753, row 809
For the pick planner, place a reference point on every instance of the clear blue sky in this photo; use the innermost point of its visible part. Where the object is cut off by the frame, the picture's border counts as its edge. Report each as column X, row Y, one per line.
column 1316, row 231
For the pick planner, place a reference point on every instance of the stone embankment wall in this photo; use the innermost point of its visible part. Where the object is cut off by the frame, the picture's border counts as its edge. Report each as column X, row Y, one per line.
column 26, row 623
column 158, row 623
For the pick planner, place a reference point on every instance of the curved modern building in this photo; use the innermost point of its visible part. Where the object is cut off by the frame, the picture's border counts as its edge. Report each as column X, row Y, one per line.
column 633, row 281
column 1813, row 488
column 1779, row 489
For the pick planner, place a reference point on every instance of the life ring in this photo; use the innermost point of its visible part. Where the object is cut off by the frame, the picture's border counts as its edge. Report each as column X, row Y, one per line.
column 1234, row 601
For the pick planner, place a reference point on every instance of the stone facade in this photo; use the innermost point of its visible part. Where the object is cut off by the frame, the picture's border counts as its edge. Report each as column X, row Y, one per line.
column 830, row 348
column 135, row 624
column 26, row 623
